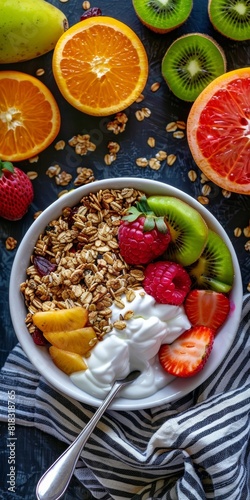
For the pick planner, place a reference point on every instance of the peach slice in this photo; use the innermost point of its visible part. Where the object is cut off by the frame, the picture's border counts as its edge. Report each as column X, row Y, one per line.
column 80, row 341
column 66, row 361
column 58, row 320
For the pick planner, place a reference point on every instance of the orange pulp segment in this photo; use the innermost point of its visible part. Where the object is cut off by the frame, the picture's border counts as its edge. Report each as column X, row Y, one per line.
column 29, row 116
column 100, row 66
column 218, row 131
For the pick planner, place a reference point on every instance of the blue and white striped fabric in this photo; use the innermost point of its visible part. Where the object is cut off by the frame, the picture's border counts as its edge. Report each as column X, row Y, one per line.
column 196, row 448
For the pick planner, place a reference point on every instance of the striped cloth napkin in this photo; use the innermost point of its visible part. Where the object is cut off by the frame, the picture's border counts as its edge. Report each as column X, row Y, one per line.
column 195, row 448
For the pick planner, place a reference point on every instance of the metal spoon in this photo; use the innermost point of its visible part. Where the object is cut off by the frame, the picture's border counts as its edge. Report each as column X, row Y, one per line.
column 55, row 480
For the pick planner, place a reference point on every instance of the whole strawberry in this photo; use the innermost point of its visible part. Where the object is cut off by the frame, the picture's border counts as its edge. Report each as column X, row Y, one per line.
column 16, row 192
column 142, row 235
column 168, row 282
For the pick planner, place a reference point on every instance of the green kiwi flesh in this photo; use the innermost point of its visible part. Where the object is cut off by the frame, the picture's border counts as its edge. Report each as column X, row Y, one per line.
column 191, row 63
column 162, row 15
column 187, row 228
column 214, row 268
column 231, row 18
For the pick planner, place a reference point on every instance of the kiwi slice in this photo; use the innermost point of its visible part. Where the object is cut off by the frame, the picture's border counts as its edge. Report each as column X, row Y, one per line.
column 214, row 268
column 187, row 228
column 162, row 16
column 231, row 18
column 191, row 63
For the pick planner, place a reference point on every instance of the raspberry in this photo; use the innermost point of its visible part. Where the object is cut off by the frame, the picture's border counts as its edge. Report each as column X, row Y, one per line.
column 168, row 282
column 139, row 246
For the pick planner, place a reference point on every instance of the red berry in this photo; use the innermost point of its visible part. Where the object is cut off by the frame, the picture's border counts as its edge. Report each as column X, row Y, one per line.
column 168, row 282
column 188, row 354
column 92, row 12
column 138, row 246
column 16, row 192
column 38, row 337
column 206, row 307
column 43, row 265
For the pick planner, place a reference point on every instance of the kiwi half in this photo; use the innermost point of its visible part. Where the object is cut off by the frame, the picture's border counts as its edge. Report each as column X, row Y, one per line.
column 214, row 268
column 191, row 63
column 231, row 18
column 162, row 16
column 187, row 228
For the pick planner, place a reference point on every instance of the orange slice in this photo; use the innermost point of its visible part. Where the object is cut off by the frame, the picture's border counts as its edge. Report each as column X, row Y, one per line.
column 100, row 66
column 218, row 131
column 29, row 116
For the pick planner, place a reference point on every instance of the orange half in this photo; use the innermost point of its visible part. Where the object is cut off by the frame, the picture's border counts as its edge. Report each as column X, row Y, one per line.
column 218, row 131
column 100, row 66
column 29, row 116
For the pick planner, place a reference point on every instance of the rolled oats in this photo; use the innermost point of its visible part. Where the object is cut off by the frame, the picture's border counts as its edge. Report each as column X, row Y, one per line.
column 171, row 159
column 246, row 231
column 109, row 158
column 139, row 115
column 63, row 178
column 192, row 175
column 247, row 246
column 53, row 170
column 32, row 175
column 82, row 144
column 141, row 162
column 40, row 72
column 34, row 159
column 226, row 193
column 204, row 200
column 146, row 112
column 181, row 124
column 155, row 86
column 140, row 98
column 171, row 127
column 237, row 232
column 161, row 155
column 206, row 189
column 113, row 147
column 151, row 142
column 154, row 164
column 10, row 243
column 204, row 178
column 85, row 176
column 178, row 134
column 90, row 271
column 60, row 145
column 118, row 125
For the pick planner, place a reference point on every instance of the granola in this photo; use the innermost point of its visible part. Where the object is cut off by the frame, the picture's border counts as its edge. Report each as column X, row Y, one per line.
column 89, row 270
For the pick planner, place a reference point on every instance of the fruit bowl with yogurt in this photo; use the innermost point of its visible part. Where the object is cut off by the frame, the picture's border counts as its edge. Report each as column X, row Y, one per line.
column 140, row 330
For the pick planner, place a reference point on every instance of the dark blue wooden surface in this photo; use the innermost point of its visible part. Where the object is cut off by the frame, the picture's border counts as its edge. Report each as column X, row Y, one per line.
column 36, row 451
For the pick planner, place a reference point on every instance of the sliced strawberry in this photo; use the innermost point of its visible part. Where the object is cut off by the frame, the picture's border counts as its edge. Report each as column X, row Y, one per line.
column 206, row 307
column 187, row 355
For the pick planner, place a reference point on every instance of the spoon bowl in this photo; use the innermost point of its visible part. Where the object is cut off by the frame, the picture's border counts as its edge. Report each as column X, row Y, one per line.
column 55, row 480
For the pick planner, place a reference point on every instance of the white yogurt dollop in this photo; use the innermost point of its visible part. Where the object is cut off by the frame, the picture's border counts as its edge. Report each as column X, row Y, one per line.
column 135, row 347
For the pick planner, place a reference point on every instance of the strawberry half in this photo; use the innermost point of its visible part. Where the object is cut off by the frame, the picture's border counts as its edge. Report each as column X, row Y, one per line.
column 16, row 192
column 188, row 354
column 206, row 307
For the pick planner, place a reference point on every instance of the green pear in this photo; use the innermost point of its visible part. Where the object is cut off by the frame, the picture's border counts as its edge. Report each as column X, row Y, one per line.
column 28, row 29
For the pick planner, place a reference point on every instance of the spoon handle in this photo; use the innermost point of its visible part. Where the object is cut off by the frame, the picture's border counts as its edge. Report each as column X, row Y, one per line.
column 55, row 480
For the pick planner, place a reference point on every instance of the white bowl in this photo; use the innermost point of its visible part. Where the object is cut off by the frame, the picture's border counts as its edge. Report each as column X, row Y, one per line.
column 39, row 356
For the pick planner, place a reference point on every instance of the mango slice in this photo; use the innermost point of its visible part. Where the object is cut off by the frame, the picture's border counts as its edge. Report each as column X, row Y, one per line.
column 66, row 361
column 61, row 319
column 79, row 341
